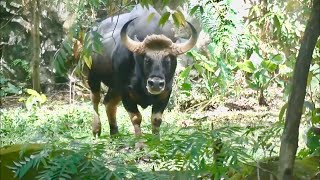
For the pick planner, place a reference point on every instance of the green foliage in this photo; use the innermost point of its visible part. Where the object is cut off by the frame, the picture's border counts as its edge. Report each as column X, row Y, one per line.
column 312, row 116
column 23, row 64
column 69, row 151
column 199, row 154
column 35, row 100
column 7, row 88
column 203, row 153
column 229, row 43
column 76, row 49
column 261, row 71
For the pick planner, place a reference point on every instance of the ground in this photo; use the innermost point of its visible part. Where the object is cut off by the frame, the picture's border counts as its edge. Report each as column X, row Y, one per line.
column 61, row 119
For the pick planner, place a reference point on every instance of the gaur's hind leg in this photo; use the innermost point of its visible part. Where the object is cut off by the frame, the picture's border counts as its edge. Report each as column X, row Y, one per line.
column 95, row 98
column 96, row 124
column 111, row 102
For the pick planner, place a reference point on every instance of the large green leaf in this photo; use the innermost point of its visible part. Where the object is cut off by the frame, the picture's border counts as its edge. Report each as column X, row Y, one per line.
column 194, row 9
column 209, row 66
column 88, row 60
column 278, row 58
column 33, row 92
column 164, row 18
column 269, row 65
column 178, row 18
column 313, row 140
column 185, row 73
column 150, row 17
column 246, row 66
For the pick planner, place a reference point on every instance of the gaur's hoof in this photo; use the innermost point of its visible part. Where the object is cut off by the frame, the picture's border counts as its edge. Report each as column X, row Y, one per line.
column 114, row 131
column 96, row 128
column 96, row 134
column 140, row 145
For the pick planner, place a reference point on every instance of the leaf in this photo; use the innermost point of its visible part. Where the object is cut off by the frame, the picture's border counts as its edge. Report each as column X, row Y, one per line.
column 59, row 63
column 164, row 18
column 312, row 140
column 198, row 67
column 282, row 111
column 269, row 65
column 185, row 73
column 164, row 2
column 309, row 105
column 279, row 58
column 67, row 47
column 178, row 18
column 186, row 86
column 63, row 53
column 208, row 67
column 316, row 116
column 194, row 9
column 253, row 85
column 277, row 25
column 42, row 98
column 201, row 10
column 88, row 61
column 17, row 164
column 32, row 92
column 150, row 17
column 246, row 66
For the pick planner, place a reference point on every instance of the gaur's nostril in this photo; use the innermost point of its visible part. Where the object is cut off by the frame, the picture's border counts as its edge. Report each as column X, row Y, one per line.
column 150, row 82
column 161, row 84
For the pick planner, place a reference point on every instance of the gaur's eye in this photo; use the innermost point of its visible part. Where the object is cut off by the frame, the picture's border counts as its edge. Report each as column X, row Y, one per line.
column 167, row 60
column 147, row 60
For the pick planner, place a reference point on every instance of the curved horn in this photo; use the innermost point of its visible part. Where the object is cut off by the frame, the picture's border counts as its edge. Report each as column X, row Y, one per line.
column 133, row 46
column 186, row 46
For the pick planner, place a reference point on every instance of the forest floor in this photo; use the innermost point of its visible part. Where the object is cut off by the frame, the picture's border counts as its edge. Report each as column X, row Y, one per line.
column 242, row 111
column 64, row 120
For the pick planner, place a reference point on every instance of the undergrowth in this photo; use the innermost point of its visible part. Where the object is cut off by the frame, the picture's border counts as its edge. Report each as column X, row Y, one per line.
column 70, row 152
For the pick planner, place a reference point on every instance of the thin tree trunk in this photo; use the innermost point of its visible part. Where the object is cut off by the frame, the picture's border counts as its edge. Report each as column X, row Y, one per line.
column 289, row 140
column 36, row 45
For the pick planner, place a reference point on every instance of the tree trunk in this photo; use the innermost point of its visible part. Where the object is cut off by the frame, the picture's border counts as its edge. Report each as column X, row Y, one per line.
column 289, row 140
column 35, row 32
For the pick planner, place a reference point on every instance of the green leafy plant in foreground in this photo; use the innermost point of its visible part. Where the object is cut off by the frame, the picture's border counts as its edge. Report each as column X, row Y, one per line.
column 186, row 153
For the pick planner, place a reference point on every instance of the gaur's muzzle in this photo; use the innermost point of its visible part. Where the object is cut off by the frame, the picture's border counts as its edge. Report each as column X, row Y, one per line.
column 155, row 85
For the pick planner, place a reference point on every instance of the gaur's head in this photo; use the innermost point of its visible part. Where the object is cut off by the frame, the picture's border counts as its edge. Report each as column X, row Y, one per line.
column 157, row 57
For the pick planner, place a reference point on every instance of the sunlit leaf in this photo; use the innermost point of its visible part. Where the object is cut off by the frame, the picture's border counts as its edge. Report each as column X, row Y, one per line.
column 246, row 66
column 194, row 9
column 150, row 17
column 43, row 98
column 279, row 58
column 185, row 73
column 32, row 92
column 277, row 25
column 178, row 18
column 269, row 65
column 164, row 18
column 88, row 61
column 208, row 67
